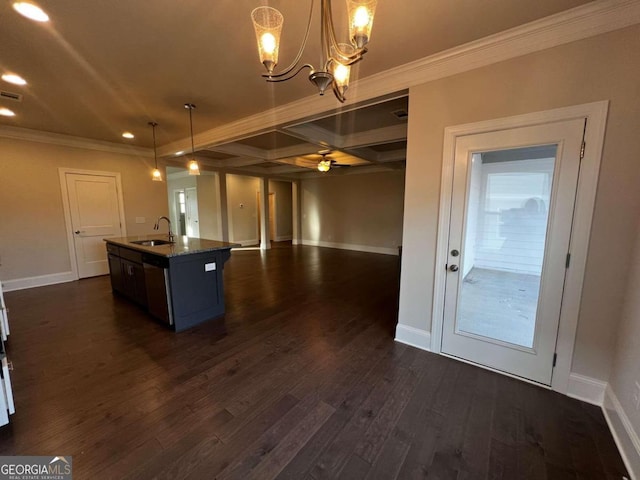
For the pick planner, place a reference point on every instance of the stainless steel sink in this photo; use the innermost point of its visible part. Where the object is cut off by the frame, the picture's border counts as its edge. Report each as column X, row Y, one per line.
column 151, row 243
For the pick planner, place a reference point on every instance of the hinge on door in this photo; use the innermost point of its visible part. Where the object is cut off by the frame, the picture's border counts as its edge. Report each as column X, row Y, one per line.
column 555, row 358
column 582, row 147
column 567, row 261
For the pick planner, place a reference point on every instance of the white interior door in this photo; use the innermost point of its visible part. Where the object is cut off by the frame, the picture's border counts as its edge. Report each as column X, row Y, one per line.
column 511, row 215
column 192, row 222
column 95, row 214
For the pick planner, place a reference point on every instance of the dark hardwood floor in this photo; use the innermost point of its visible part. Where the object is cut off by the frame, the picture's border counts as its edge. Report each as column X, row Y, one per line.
column 300, row 380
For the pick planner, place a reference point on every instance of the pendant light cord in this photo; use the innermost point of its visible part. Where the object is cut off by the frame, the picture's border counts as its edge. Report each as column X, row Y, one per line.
column 191, row 106
column 155, row 152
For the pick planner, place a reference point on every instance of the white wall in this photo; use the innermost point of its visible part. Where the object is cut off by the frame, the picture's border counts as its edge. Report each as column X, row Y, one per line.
column 360, row 212
column 599, row 68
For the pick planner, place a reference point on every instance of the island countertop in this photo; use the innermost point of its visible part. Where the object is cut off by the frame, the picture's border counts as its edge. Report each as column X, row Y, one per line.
column 183, row 245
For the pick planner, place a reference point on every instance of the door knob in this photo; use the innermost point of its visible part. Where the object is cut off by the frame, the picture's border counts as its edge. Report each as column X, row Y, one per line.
column 453, row 268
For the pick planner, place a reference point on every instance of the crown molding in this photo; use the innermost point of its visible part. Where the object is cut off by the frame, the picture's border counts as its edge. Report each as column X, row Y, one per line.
column 589, row 20
column 51, row 138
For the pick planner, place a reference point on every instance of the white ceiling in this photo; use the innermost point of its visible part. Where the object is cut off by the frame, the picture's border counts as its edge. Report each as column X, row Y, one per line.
column 101, row 67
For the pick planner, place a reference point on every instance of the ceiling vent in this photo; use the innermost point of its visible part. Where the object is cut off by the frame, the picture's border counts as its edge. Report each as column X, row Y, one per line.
column 401, row 114
column 16, row 97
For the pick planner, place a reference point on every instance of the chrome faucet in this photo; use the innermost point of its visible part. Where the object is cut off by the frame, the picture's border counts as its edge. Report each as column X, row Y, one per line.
column 157, row 226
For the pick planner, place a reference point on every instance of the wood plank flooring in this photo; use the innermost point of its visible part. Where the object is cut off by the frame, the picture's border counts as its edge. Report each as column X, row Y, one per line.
column 300, row 380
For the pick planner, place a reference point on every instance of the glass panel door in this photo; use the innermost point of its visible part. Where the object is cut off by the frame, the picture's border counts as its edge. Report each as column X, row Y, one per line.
column 505, row 236
column 510, row 225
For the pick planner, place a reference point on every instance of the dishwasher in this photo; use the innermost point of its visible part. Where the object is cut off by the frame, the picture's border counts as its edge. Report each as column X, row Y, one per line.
column 156, row 277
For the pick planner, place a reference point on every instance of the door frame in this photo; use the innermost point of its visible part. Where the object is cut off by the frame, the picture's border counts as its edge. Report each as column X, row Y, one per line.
column 64, row 191
column 596, row 114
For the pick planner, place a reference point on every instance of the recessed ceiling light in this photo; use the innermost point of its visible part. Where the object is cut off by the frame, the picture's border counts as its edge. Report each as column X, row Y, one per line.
column 179, row 153
column 30, row 11
column 5, row 112
column 13, row 78
column 128, row 135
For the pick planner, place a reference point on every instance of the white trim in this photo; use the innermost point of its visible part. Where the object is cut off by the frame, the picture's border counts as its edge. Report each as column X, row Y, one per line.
column 596, row 113
column 38, row 281
column 283, row 238
column 50, row 138
column 351, row 246
column 246, row 243
column 586, row 389
column 625, row 436
column 588, row 20
column 64, row 192
column 413, row 336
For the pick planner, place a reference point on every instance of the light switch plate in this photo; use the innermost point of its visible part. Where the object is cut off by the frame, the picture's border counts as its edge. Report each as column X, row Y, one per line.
column 141, row 220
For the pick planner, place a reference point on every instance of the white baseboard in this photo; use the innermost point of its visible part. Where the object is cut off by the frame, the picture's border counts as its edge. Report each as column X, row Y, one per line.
column 39, row 281
column 351, row 246
column 413, row 336
column 296, row 241
column 246, row 243
column 625, row 436
column 283, row 238
column 586, row 389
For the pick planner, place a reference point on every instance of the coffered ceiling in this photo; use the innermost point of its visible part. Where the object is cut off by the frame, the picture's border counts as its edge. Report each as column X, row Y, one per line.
column 102, row 67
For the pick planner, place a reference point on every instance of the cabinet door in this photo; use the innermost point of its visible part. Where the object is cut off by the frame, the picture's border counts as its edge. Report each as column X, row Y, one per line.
column 140, row 289
column 4, row 317
column 133, row 282
column 6, row 383
column 115, row 270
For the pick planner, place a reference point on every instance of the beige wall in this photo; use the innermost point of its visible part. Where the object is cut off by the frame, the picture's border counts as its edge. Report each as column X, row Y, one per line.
column 600, row 68
column 33, row 237
column 284, row 212
column 243, row 220
column 360, row 210
column 209, row 207
column 626, row 364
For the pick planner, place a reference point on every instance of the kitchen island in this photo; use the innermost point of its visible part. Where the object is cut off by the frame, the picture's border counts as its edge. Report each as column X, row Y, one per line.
column 179, row 283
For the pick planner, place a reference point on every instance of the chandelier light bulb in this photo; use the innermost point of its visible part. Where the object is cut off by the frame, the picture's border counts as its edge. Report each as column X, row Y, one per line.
column 268, row 42
column 341, row 73
column 361, row 17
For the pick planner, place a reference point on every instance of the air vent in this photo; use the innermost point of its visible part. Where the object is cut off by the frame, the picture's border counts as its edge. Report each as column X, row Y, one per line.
column 16, row 97
column 400, row 114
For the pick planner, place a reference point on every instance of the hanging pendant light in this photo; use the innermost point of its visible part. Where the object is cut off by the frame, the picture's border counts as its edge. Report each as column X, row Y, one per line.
column 156, row 174
column 194, row 168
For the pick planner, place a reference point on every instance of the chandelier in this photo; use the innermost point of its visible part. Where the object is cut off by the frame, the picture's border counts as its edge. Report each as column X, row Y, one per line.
column 336, row 58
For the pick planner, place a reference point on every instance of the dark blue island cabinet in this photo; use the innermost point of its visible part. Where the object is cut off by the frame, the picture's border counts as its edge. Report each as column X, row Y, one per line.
column 179, row 283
